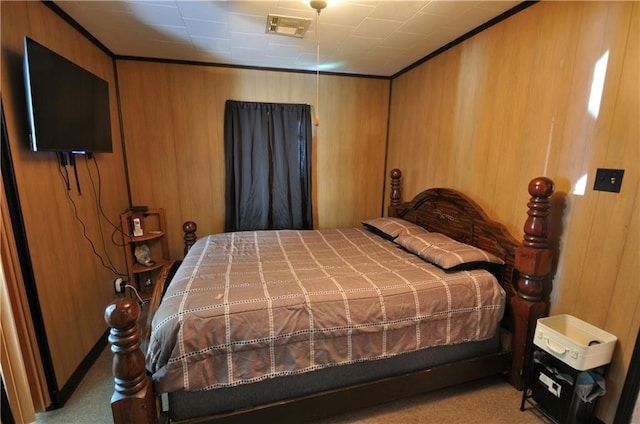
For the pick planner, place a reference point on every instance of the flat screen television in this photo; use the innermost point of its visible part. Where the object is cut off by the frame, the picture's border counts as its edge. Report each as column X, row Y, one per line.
column 68, row 106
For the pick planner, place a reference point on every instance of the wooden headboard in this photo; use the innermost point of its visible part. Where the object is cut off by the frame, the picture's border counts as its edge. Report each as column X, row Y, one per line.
column 527, row 263
column 452, row 213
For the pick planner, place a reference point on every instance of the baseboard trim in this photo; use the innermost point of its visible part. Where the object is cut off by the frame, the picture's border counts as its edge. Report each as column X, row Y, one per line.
column 62, row 396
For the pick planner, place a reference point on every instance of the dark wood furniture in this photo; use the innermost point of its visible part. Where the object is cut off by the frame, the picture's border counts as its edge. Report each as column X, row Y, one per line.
column 154, row 235
column 442, row 210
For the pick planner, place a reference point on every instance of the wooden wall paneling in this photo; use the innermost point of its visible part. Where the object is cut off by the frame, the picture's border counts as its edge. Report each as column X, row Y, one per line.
column 532, row 118
column 434, row 122
column 470, row 95
column 351, row 149
column 522, row 98
column 555, row 56
column 607, row 241
column 494, row 88
column 589, row 141
column 401, row 115
column 619, row 125
column 623, row 319
column 149, row 134
column 626, row 126
column 185, row 172
column 68, row 276
column 575, row 148
column 424, row 105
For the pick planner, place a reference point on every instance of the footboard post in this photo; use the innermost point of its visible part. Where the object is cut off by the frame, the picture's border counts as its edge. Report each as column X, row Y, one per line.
column 133, row 401
column 533, row 261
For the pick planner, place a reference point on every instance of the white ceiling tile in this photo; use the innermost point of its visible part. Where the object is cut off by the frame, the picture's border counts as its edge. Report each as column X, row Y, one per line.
column 358, row 45
column 332, row 34
column 217, row 45
column 378, row 37
column 424, row 24
column 348, row 14
column 249, row 41
column 239, row 22
column 114, row 21
column 199, row 28
column 376, row 28
column 166, row 13
column 279, row 50
column 261, row 8
column 402, row 40
column 397, row 10
column 215, row 11
column 447, row 8
column 175, row 34
column 244, row 53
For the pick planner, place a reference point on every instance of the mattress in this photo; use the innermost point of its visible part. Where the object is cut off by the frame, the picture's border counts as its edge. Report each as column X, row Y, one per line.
column 249, row 306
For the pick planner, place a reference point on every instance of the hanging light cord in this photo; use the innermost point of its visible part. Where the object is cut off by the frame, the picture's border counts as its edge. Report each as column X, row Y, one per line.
column 317, row 119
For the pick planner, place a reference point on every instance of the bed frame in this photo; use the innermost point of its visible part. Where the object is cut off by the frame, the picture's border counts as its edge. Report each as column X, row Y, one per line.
column 524, row 276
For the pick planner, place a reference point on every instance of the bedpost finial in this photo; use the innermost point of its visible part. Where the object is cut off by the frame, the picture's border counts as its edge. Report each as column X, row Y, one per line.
column 533, row 257
column 536, row 225
column 541, row 187
column 396, row 192
column 189, row 228
column 133, row 399
column 122, row 313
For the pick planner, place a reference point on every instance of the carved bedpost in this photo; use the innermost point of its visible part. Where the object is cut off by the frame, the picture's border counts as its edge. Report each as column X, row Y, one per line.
column 533, row 262
column 396, row 192
column 189, row 229
column 133, row 401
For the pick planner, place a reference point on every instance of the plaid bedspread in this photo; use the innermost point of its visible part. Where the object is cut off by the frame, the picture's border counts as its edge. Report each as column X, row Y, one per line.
column 248, row 306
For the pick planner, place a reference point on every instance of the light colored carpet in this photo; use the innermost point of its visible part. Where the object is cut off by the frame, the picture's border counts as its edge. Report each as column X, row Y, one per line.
column 490, row 400
column 90, row 403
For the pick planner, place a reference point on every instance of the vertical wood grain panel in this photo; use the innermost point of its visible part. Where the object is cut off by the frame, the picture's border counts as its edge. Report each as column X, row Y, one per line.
column 611, row 279
column 605, row 242
column 515, row 105
column 173, row 121
column 73, row 286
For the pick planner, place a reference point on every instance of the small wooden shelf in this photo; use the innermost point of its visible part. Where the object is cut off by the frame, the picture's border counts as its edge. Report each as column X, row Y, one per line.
column 138, row 268
column 153, row 227
column 150, row 236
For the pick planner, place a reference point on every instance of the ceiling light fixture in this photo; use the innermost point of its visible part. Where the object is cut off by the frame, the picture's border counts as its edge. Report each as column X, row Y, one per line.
column 318, row 5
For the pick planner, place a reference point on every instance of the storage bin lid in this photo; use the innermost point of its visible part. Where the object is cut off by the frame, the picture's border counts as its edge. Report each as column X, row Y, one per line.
column 577, row 343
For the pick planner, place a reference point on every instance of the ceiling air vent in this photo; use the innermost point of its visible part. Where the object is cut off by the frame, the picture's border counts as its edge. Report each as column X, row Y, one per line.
column 287, row 25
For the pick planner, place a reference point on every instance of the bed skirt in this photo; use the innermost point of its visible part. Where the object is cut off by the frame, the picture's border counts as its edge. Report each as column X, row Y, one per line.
column 185, row 405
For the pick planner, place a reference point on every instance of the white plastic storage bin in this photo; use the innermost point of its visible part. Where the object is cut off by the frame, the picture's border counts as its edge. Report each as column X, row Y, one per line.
column 575, row 342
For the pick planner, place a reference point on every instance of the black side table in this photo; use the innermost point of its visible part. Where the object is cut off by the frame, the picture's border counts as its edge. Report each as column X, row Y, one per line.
column 554, row 388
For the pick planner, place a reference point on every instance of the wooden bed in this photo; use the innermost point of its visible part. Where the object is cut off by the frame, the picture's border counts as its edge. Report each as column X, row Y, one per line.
column 446, row 211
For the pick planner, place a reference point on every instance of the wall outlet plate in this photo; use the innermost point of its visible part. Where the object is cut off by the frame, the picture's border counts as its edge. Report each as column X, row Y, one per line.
column 118, row 285
column 608, row 180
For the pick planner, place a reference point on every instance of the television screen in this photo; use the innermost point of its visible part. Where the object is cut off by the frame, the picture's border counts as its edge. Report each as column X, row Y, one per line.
column 68, row 106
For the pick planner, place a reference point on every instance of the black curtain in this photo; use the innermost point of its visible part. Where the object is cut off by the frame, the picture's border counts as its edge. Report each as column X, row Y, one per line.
column 268, row 166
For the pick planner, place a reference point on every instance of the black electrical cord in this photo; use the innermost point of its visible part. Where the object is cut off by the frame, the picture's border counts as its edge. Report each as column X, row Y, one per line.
column 84, row 229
